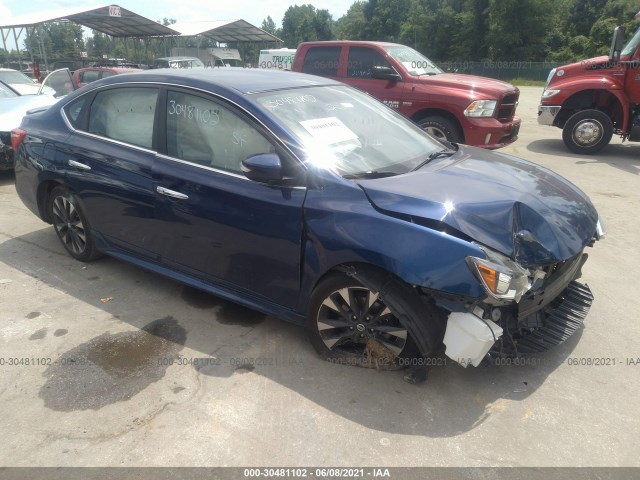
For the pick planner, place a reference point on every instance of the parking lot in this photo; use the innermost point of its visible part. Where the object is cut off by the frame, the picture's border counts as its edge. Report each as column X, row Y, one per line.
column 123, row 367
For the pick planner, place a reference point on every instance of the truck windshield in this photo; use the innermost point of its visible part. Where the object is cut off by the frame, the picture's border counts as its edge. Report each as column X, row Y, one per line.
column 414, row 62
column 632, row 46
column 349, row 132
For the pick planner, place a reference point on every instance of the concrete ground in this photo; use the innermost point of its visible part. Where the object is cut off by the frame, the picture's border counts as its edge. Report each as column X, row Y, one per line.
column 127, row 368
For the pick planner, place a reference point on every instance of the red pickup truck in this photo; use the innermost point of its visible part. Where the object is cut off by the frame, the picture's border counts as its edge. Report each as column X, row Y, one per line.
column 459, row 108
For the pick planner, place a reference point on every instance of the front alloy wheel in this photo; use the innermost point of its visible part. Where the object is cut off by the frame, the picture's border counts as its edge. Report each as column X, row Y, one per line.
column 348, row 323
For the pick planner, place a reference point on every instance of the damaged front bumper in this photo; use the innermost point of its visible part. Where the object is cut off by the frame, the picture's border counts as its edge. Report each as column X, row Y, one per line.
column 541, row 320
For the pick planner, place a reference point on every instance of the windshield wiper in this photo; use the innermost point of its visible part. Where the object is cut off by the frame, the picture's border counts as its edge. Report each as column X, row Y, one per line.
column 369, row 174
column 433, row 156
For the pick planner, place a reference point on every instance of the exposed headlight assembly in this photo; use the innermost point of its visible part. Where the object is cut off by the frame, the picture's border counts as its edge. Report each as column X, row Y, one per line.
column 502, row 278
column 481, row 108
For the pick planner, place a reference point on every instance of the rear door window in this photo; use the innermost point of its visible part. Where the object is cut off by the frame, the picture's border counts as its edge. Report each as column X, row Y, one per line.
column 125, row 114
column 90, row 76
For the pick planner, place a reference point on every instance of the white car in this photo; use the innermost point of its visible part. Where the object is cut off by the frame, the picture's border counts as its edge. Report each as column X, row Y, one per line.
column 19, row 82
column 15, row 102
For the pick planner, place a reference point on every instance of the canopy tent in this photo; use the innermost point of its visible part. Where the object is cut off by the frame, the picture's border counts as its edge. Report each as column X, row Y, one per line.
column 225, row 31
column 119, row 22
column 112, row 20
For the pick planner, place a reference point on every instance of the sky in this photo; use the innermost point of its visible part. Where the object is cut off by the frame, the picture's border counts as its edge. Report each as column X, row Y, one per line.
column 253, row 11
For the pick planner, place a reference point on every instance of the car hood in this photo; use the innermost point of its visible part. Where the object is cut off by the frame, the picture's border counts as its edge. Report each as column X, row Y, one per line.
column 513, row 206
column 13, row 109
column 25, row 89
column 474, row 84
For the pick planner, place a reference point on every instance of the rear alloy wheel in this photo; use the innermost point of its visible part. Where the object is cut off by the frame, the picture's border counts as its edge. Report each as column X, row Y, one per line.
column 441, row 129
column 350, row 324
column 71, row 225
column 587, row 131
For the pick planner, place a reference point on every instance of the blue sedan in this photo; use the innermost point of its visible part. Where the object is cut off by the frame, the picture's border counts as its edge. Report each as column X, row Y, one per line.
column 306, row 199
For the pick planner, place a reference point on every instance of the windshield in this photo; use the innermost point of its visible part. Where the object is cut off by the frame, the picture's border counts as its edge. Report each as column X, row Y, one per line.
column 348, row 131
column 6, row 91
column 632, row 46
column 13, row 77
column 414, row 62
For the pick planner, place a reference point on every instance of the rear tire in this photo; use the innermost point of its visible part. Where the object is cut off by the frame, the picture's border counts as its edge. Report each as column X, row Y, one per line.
column 441, row 129
column 71, row 225
column 587, row 131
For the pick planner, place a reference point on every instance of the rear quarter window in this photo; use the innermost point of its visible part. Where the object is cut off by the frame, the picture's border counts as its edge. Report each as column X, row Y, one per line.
column 322, row 61
column 73, row 111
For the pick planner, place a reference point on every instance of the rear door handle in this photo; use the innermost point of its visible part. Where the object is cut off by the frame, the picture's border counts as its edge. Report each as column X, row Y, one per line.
column 81, row 166
column 171, row 193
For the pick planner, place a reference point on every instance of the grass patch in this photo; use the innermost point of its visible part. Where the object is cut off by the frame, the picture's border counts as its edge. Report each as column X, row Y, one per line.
column 525, row 82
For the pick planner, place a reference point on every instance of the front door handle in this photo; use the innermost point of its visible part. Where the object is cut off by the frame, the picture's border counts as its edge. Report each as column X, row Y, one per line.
column 171, row 193
column 81, row 166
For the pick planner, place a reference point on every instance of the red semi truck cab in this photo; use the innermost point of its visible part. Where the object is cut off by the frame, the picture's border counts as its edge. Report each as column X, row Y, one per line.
column 458, row 108
column 592, row 99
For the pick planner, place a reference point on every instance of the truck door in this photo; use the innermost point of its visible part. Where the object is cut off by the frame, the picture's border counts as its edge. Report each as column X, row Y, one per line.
column 360, row 63
column 632, row 78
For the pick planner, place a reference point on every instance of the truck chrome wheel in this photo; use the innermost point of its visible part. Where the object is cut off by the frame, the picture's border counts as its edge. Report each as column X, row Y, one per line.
column 587, row 131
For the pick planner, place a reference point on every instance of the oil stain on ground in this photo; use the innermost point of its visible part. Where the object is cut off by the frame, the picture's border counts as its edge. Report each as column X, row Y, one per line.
column 229, row 313
column 39, row 334
column 112, row 367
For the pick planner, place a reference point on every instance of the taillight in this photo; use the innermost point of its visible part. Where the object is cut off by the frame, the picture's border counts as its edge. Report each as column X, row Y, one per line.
column 17, row 136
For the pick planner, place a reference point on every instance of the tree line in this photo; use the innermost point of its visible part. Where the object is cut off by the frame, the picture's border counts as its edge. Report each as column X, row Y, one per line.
column 457, row 30
column 445, row 30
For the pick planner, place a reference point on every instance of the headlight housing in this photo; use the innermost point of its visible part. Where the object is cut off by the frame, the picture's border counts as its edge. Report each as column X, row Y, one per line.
column 502, row 278
column 481, row 108
column 549, row 77
column 549, row 93
column 600, row 230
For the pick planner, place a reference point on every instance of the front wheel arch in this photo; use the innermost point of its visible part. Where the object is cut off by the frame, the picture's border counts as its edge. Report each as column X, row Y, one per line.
column 43, row 196
column 415, row 311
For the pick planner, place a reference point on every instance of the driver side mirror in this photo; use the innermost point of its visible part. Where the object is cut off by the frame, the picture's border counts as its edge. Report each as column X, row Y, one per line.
column 385, row 73
column 263, row 168
column 616, row 44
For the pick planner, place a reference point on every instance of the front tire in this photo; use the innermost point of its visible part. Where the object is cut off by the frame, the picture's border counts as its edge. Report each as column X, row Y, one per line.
column 587, row 132
column 71, row 225
column 350, row 324
column 441, row 129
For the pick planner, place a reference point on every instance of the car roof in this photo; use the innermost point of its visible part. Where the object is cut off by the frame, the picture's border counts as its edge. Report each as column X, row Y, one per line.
column 178, row 58
column 110, row 69
column 350, row 42
column 242, row 80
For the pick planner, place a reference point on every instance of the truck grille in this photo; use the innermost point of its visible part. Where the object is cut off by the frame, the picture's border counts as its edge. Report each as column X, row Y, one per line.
column 507, row 107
